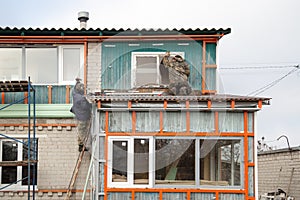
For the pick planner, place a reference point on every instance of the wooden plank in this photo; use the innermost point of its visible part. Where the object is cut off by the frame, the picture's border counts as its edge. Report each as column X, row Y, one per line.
column 17, row 163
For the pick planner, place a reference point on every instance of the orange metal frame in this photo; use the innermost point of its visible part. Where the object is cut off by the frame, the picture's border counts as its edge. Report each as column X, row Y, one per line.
column 204, row 66
column 188, row 191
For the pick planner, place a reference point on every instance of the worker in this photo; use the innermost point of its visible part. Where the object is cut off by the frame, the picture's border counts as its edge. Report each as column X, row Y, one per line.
column 82, row 109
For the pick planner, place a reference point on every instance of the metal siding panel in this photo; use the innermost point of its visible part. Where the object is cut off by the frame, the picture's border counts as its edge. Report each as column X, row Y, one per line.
column 174, row 196
column 11, row 97
column 58, row 94
column 146, row 195
column 41, row 94
column 202, row 196
column 223, row 196
column 116, row 61
column 119, row 196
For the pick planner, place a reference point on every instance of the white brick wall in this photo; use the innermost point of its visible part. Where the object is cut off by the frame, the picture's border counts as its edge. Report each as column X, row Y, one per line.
column 275, row 170
column 57, row 155
column 94, row 67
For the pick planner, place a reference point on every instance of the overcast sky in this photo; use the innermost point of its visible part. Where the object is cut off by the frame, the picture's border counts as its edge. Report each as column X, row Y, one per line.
column 265, row 33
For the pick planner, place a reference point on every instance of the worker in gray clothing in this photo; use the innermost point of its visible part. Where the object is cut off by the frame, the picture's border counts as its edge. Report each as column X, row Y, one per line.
column 82, row 110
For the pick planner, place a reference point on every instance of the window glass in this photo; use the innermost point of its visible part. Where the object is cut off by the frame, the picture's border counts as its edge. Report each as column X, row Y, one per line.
column 71, row 64
column 231, row 122
column 250, row 122
column 141, row 161
column 41, row 65
column 202, row 122
column 174, row 121
column 210, row 79
column 147, row 121
column 10, row 63
column 146, row 70
column 33, row 156
column 211, row 53
column 119, row 161
column 175, row 161
column 9, row 153
column 220, row 162
column 14, row 151
column 120, row 122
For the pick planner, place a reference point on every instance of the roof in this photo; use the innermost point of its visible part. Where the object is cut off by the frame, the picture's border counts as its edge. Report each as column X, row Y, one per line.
column 160, row 97
column 14, row 86
column 8, row 31
column 276, row 151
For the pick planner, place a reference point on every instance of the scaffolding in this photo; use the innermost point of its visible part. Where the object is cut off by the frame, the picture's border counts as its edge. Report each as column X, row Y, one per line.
column 29, row 98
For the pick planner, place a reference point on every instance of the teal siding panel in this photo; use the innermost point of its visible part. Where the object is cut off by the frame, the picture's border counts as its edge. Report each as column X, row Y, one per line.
column 116, row 61
column 41, row 94
column 12, row 97
column 58, row 94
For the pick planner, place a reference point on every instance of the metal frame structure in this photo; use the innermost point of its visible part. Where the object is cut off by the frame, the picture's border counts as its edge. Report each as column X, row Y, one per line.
column 24, row 86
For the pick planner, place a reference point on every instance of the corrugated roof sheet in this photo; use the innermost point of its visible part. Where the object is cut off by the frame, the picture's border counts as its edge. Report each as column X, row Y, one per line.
column 8, row 31
column 159, row 97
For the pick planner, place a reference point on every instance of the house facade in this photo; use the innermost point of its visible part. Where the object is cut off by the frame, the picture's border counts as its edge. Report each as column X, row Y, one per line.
column 144, row 142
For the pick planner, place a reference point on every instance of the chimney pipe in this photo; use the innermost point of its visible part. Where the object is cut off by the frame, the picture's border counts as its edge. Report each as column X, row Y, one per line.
column 83, row 17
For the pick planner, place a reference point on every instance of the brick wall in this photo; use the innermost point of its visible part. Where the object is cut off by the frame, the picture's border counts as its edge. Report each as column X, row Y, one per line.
column 279, row 169
column 94, row 67
column 57, row 155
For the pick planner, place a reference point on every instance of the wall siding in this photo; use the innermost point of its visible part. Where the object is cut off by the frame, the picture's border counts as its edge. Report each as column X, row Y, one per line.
column 116, row 61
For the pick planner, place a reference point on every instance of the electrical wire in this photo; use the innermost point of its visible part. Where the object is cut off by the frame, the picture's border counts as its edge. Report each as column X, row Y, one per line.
column 261, row 67
column 273, row 83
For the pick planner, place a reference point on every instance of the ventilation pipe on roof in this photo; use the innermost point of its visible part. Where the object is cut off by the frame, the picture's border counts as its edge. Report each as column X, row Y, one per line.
column 83, row 17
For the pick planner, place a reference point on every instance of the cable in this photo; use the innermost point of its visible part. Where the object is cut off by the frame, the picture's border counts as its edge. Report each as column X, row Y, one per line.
column 273, row 83
column 262, row 67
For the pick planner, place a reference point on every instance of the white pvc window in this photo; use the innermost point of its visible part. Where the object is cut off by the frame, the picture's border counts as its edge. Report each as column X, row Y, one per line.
column 44, row 65
column 175, row 161
column 41, row 65
column 130, row 162
column 71, row 63
column 10, row 63
column 15, row 177
column 145, row 67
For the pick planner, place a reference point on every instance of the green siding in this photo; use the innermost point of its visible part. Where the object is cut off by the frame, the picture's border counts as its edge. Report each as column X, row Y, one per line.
column 116, row 61
column 41, row 95
column 42, row 111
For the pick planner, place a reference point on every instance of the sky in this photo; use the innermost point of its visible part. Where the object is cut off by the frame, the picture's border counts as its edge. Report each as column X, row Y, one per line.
column 263, row 45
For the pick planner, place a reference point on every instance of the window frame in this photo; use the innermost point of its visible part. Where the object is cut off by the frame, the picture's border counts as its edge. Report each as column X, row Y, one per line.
column 134, row 56
column 60, row 58
column 151, row 182
column 18, row 185
column 61, row 63
column 130, row 162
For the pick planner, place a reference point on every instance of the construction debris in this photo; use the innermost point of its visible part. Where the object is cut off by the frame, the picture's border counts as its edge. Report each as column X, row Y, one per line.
column 179, row 72
column 279, row 195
